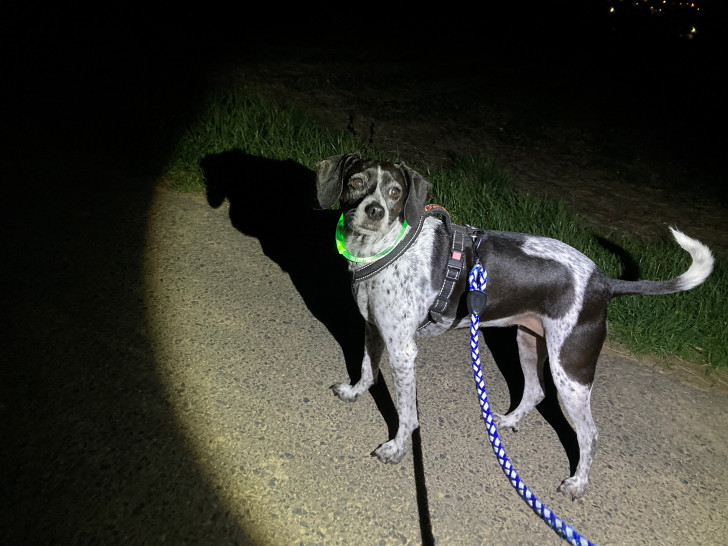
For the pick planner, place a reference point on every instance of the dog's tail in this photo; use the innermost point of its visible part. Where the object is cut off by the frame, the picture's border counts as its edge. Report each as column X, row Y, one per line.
column 696, row 274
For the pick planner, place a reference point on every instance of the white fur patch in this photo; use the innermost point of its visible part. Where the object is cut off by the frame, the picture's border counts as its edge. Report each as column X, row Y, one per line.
column 579, row 266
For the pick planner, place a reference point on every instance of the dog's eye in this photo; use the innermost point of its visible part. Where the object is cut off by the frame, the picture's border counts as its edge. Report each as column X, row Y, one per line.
column 356, row 183
column 394, row 193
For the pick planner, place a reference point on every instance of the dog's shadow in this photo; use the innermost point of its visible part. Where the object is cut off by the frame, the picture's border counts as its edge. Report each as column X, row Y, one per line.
column 275, row 202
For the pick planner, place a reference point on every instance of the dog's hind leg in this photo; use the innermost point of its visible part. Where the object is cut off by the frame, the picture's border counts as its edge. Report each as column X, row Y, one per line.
column 572, row 367
column 532, row 354
column 373, row 349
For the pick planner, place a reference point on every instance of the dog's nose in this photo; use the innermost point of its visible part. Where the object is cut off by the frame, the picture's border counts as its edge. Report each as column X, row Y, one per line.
column 374, row 211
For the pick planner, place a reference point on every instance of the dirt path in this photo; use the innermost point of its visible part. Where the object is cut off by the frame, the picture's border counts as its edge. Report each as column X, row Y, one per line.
column 290, row 463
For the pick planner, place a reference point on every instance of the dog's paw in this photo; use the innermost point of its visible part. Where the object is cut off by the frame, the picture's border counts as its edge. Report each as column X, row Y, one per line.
column 389, row 452
column 344, row 392
column 505, row 421
column 573, row 488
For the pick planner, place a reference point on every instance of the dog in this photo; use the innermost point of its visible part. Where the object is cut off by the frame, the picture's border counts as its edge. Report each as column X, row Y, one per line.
column 555, row 296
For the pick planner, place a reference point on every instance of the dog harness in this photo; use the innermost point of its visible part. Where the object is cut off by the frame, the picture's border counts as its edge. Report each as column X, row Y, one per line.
column 442, row 312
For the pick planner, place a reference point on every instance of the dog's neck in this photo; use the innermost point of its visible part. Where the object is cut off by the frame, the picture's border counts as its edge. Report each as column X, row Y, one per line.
column 369, row 244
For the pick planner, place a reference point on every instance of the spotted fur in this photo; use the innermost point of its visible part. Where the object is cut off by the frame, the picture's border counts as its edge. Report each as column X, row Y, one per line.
column 555, row 295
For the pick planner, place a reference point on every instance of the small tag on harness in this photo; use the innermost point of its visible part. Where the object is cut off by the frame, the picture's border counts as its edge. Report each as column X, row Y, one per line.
column 476, row 301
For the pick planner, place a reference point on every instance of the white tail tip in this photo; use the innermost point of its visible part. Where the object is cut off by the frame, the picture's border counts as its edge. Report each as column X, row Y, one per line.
column 702, row 265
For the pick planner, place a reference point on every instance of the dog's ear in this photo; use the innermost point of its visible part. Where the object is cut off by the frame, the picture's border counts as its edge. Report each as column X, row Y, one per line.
column 418, row 188
column 329, row 178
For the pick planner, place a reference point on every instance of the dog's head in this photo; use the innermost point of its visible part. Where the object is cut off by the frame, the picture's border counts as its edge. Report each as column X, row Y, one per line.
column 372, row 194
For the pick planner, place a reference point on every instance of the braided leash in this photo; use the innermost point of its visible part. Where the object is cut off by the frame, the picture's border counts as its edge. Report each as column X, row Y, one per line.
column 478, row 279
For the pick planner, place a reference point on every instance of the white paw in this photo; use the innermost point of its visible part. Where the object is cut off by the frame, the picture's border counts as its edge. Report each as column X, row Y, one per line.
column 389, row 452
column 573, row 487
column 344, row 392
column 505, row 421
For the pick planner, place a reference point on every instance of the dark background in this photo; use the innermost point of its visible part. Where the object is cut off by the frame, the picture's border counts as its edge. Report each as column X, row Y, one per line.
column 120, row 72
column 94, row 97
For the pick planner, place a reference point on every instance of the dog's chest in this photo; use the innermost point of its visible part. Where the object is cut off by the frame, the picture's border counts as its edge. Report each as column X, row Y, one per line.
column 402, row 293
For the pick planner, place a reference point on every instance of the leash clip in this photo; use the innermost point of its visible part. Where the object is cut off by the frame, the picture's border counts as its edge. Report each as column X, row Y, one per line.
column 476, row 298
column 477, row 237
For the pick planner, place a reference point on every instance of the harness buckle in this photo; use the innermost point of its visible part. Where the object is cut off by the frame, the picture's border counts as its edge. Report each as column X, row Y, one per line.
column 454, row 266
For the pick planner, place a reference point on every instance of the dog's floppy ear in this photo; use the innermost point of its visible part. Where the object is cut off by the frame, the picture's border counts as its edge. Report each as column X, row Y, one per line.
column 329, row 178
column 418, row 188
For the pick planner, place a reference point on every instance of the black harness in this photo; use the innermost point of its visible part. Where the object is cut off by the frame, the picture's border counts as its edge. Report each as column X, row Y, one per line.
column 442, row 311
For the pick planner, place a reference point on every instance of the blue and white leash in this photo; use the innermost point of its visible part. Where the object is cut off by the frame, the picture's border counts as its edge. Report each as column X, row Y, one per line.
column 477, row 280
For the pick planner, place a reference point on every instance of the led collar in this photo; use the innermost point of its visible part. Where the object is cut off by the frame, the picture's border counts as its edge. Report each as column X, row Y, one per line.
column 340, row 235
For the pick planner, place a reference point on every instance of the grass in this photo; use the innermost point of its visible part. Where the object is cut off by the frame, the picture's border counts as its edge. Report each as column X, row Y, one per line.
column 691, row 325
column 236, row 119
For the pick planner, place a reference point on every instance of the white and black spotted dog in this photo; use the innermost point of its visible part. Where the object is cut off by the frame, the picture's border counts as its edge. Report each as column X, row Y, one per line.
column 556, row 296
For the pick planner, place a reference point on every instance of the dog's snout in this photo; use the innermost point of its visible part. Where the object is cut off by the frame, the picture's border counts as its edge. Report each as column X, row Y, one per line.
column 374, row 212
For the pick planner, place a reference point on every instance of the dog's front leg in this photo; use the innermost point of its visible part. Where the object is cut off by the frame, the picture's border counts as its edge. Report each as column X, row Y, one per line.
column 373, row 349
column 402, row 363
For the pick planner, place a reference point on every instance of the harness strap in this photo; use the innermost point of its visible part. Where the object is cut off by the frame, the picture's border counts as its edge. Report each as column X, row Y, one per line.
column 455, row 265
column 444, row 308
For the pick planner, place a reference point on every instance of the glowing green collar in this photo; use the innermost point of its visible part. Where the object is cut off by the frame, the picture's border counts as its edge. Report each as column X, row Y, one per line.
column 340, row 235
